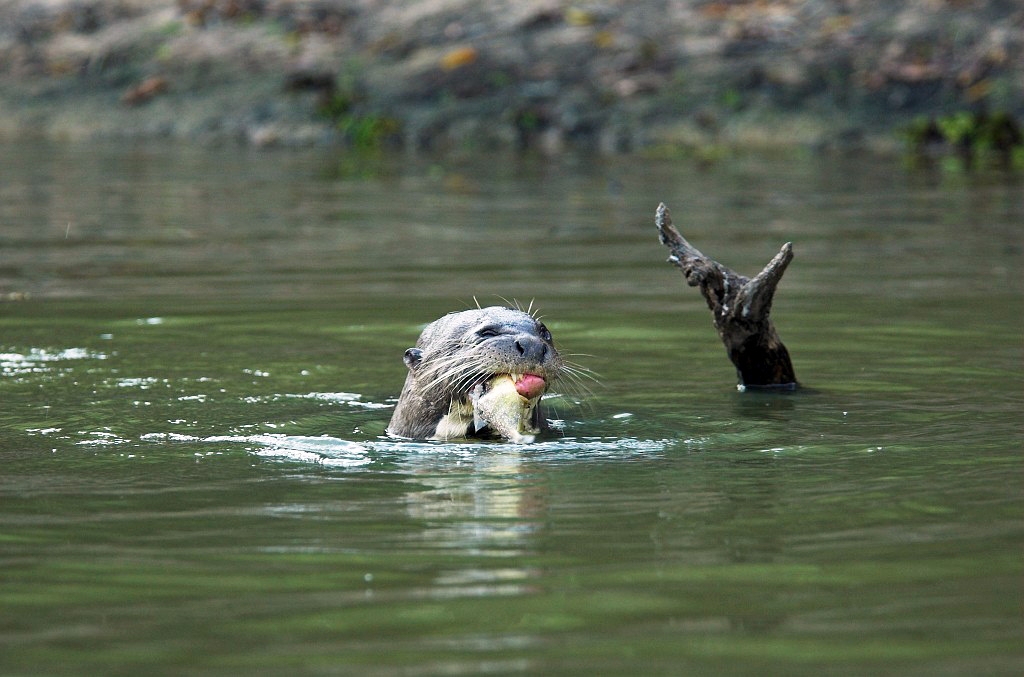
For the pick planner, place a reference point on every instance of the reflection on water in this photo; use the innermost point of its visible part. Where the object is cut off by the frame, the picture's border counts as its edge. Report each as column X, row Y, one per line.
column 194, row 394
column 482, row 507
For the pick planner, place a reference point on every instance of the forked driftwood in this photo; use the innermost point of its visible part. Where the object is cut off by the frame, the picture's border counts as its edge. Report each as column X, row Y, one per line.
column 740, row 306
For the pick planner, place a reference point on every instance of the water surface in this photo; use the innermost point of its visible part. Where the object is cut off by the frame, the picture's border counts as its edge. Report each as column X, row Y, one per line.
column 200, row 350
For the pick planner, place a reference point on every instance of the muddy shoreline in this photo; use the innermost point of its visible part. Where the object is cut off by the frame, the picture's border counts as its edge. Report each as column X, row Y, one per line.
column 435, row 75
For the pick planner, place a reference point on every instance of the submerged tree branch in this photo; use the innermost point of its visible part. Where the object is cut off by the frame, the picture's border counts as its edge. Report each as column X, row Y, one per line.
column 740, row 307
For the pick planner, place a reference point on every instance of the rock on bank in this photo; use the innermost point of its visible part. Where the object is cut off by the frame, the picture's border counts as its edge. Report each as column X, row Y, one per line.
column 436, row 74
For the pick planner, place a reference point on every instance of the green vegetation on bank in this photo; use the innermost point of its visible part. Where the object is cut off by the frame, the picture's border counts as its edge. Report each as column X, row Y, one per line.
column 971, row 137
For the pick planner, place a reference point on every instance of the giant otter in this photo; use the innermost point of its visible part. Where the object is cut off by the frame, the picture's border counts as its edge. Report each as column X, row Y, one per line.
column 477, row 373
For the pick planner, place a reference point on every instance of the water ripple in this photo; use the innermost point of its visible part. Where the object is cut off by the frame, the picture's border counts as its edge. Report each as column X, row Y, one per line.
column 336, row 452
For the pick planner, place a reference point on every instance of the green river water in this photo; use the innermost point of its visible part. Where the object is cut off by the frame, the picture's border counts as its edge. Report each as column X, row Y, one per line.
column 201, row 347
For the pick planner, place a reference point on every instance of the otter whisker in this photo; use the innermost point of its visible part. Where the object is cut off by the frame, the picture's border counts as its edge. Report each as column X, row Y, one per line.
column 514, row 303
column 434, row 378
column 453, row 370
column 576, row 382
column 453, row 357
column 451, row 377
column 574, row 377
column 580, row 371
column 433, row 364
column 576, row 389
column 465, row 381
column 579, row 368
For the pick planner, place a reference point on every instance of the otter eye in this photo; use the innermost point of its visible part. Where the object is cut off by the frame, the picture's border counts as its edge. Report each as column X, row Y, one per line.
column 487, row 332
column 544, row 333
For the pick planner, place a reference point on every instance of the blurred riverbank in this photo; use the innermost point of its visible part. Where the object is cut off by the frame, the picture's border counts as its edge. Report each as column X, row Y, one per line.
column 438, row 75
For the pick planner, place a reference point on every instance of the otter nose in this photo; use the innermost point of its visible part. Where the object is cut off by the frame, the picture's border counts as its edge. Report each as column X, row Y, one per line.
column 532, row 348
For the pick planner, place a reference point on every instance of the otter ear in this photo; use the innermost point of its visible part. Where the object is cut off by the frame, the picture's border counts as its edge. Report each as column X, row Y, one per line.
column 412, row 357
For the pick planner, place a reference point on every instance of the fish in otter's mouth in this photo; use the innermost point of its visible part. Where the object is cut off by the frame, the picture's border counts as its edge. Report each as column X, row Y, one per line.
column 478, row 373
column 505, row 404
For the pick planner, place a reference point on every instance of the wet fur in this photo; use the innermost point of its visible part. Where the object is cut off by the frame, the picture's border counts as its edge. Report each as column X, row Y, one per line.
column 460, row 350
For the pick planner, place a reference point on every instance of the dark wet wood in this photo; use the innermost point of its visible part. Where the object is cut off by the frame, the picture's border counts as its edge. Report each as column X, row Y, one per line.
column 740, row 306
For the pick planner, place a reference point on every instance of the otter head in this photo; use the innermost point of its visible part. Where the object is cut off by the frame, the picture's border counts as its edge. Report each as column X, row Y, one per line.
column 454, row 364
